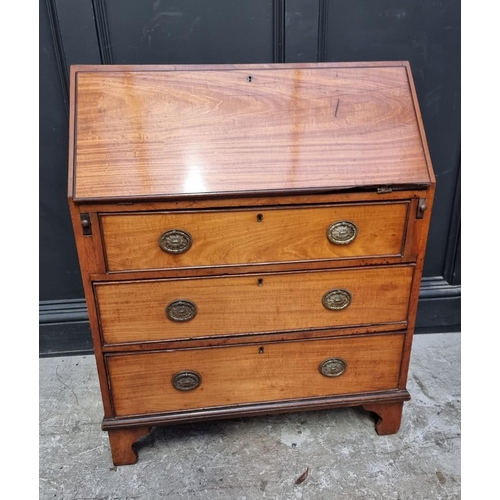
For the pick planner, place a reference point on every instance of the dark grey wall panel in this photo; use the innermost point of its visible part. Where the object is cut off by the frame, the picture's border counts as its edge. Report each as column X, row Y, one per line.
column 438, row 315
column 78, row 32
column 194, row 32
column 301, row 30
column 452, row 269
column 59, row 271
column 426, row 33
column 71, row 340
column 456, row 278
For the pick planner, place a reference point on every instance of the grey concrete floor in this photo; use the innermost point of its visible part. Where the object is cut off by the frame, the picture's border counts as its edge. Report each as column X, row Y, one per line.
column 259, row 457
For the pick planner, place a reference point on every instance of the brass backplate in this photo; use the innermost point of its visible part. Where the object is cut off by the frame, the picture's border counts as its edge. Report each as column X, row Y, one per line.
column 342, row 232
column 175, row 241
column 337, row 299
column 333, row 367
column 186, row 380
column 181, row 310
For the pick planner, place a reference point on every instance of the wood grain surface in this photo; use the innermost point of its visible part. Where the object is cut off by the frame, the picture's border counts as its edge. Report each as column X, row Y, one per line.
column 207, row 150
column 122, row 441
column 150, row 133
column 237, row 237
column 142, row 383
column 135, row 311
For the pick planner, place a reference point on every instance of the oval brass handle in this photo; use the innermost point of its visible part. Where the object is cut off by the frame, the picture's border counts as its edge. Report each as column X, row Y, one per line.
column 175, row 241
column 337, row 299
column 332, row 367
column 342, row 232
column 181, row 310
column 186, row 380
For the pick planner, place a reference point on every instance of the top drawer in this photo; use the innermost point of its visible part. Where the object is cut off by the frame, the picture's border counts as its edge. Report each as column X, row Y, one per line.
column 159, row 240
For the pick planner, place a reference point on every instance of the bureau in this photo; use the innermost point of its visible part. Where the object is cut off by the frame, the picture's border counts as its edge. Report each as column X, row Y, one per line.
column 251, row 238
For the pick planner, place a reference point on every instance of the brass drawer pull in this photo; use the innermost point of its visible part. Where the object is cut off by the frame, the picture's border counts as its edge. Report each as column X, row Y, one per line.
column 181, row 310
column 332, row 367
column 186, row 380
column 337, row 299
column 342, row 232
column 175, row 241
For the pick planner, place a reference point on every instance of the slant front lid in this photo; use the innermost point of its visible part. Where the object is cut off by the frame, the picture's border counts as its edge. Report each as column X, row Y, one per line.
column 177, row 131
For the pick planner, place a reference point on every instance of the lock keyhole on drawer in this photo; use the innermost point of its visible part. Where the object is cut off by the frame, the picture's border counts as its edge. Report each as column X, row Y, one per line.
column 261, row 350
column 260, row 217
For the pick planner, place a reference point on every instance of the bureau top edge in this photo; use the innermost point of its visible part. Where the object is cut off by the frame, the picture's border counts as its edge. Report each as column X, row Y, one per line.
column 180, row 132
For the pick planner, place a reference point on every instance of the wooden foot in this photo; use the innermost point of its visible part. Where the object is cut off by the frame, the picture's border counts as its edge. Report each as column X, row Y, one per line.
column 389, row 417
column 121, row 441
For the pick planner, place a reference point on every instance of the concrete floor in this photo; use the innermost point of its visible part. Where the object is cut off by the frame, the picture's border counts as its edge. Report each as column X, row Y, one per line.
column 259, row 457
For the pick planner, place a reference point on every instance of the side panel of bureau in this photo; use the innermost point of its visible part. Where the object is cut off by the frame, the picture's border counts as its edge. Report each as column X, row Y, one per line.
column 142, row 383
column 137, row 311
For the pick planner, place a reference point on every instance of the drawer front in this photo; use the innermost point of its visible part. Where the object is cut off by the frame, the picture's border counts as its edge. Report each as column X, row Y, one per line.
column 144, row 383
column 199, row 307
column 214, row 238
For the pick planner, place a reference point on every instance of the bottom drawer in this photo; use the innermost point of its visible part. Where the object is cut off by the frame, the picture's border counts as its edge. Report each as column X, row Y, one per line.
column 155, row 382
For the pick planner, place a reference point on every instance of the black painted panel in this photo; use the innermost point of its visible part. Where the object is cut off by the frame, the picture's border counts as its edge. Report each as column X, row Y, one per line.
column 427, row 33
column 456, row 278
column 439, row 315
column 65, row 339
column 59, row 271
column 452, row 271
column 78, row 32
column 195, row 32
column 301, row 30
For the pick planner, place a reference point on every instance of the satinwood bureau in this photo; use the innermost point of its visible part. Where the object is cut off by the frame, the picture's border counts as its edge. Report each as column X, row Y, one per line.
column 251, row 238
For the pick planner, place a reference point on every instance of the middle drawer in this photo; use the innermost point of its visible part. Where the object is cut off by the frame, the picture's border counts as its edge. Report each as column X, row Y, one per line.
column 167, row 309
